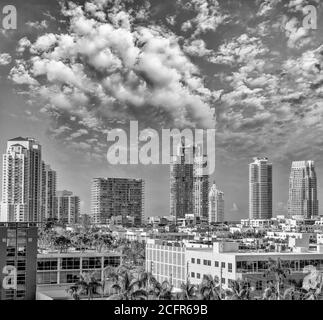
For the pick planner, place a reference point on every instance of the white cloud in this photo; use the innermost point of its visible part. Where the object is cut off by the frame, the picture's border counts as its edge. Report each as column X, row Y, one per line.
column 5, row 58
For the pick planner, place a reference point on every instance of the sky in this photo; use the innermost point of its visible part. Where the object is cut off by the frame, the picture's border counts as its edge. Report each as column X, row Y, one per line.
column 251, row 70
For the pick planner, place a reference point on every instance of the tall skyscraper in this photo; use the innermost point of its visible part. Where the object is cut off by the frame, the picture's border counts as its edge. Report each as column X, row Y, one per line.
column 181, row 182
column 67, row 207
column 48, row 192
column 18, row 261
column 117, row 197
column 188, row 183
column 216, row 205
column 200, row 185
column 260, row 189
column 21, row 181
column 302, row 200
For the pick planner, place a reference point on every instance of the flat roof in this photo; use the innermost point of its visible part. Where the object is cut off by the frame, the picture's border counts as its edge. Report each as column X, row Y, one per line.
column 78, row 254
column 254, row 253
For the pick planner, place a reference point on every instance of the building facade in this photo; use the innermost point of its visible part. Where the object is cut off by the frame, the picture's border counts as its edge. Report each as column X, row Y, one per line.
column 216, row 205
column 200, row 185
column 189, row 183
column 21, row 181
column 302, row 200
column 117, row 197
column 18, row 261
column 65, row 268
column 260, row 189
column 166, row 261
column 67, row 207
column 49, row 184
column 226, row 263
column 181, row 182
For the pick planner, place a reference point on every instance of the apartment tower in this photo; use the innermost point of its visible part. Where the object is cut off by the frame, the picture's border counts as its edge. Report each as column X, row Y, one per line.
column 21, row 181
column 260, row 189
column 302, row 200
column 49, row 183
column 67, row 207
column 216, row 205
column 112, row 197
column 189, row 184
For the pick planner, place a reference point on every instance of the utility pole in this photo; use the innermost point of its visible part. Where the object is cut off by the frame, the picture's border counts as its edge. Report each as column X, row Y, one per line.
column 220, row 279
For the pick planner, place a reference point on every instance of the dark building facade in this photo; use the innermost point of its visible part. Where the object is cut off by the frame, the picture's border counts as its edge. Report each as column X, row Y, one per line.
column 113, row 197
column 18, row 260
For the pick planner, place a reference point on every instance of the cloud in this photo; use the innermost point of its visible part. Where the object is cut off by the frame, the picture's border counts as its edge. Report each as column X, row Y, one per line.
column 109, row 67
column 239, row 50
column 23, row 43
column 208, row 16
column 5, row 58
column 39, row 25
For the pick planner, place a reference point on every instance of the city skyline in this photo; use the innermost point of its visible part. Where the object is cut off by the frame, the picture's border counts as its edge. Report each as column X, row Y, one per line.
column 250, row 69
column 302, row 187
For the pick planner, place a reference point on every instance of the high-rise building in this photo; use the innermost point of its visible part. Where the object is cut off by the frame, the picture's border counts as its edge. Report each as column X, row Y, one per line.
column 21, row 181
column 260, row 189
column 18, row 260
column 111, row 197
column 188, row 183
column 200, row 185
column 67, row 207
column 216, row 205
column 303, row 190
column 181, row 182
column 48, row 192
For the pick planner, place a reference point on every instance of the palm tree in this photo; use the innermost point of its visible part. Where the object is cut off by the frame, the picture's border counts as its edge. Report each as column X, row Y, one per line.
column 209, row 289
column 280, row 273
column 74, row 291
column 126, row 286
column 239, row 290
column 312, row 283
column 188, row 291
column 165, row 292
column 89, row 284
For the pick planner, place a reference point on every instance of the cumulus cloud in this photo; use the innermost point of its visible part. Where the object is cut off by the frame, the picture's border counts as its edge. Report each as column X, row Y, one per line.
column 39, row 25
column 5, row 58
column 208, row 16
column 258, row 81
column 109, row 67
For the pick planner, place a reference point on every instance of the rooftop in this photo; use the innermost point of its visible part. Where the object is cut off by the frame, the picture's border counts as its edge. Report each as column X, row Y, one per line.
column 88, row 253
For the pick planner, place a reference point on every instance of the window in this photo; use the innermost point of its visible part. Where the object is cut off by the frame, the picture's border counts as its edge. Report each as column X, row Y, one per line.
column 259, row 285
column 198, row 275
column 209, row 263
column 70, row 263
column 111, row 261
column 223, row 281
column 230, row 267
column 205, row 262
column 69, row 276
column 216, row 264
column 47, row 264
column 193, row 274
column 91, row 263
column 46, row 277
column 222, row 264
column 198, row 261
column 193, row 260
